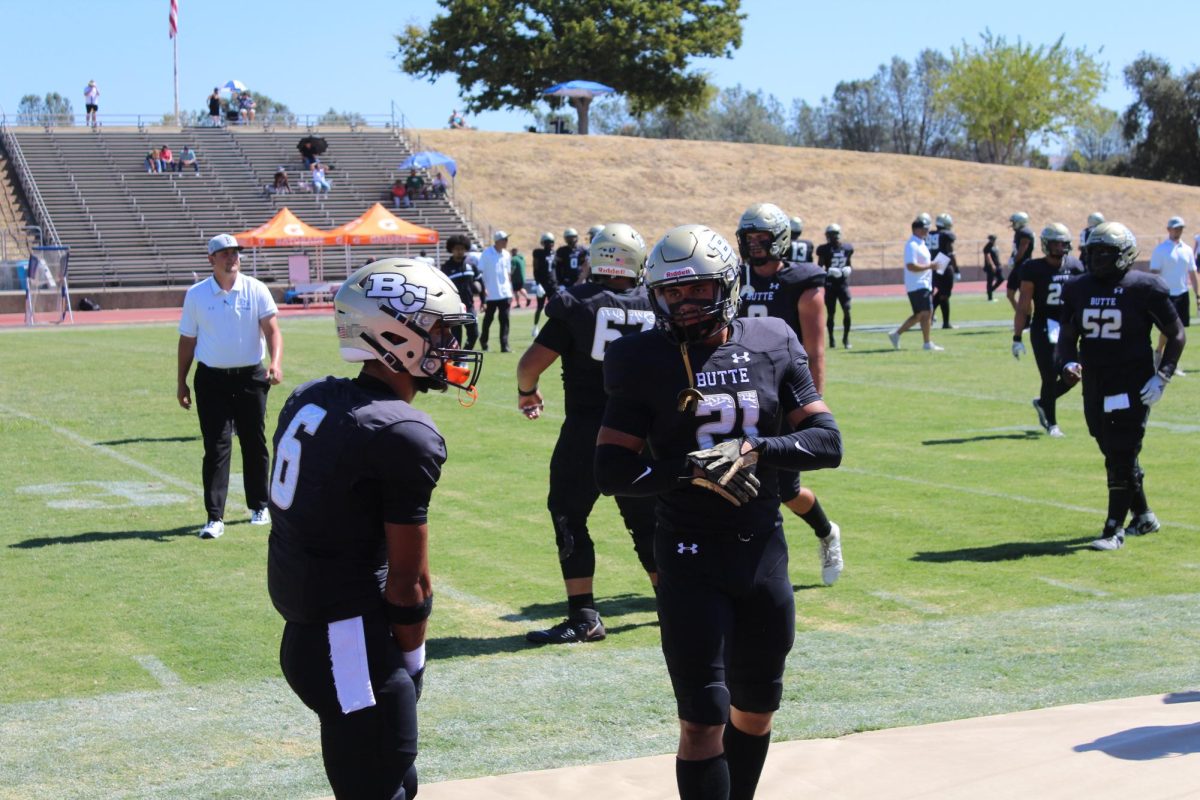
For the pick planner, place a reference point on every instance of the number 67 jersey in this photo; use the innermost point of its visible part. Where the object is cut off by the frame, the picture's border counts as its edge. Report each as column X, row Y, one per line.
column 749, row 386
column 349, row 456
column 1115, row 320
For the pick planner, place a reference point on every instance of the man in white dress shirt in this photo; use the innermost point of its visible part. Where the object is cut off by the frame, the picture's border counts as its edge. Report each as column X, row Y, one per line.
column 1175, row 262
column 918, row 282
column 495, row 267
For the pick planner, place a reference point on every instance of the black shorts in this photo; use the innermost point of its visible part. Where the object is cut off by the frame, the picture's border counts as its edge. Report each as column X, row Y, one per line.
column 1183, row 305
column 920, row 300
column 1120, row 431
column 728, row 620
column 91, row 107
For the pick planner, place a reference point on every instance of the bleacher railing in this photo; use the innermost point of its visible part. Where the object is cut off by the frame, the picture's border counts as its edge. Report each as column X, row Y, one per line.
column 32, row 194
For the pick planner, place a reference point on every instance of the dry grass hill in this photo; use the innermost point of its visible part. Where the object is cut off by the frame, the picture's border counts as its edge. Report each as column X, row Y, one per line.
column 526, row 183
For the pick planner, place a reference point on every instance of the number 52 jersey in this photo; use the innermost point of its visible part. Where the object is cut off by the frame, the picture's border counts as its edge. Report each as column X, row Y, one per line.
column 1115, row 320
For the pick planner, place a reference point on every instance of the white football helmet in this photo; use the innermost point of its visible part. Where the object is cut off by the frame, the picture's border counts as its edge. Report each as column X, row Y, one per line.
column 797, row 226
column 592, row 231
column 1110, row 251
column 403, row 312
column 944, row 221
column 764, row 218
column 1095, row 218
column 1019, row 220
column 690, row 254
column 1056, row 232
column 617, row 251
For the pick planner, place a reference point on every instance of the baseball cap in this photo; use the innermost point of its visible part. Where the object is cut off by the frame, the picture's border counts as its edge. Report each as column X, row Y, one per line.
column 222, row 241
column 1175, row 222
column 498, row 235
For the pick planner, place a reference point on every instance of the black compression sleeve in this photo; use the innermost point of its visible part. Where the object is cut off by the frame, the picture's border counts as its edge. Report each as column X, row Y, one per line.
column 621, row 471
column 816, row 444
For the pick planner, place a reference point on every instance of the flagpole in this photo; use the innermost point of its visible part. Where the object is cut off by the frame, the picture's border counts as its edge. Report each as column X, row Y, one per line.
column 175, row 49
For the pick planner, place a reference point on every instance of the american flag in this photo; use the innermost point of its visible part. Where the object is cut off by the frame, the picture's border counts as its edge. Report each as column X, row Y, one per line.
column 173, row 19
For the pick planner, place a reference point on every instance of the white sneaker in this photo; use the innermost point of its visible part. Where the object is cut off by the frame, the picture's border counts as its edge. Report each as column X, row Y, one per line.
column 1180, row 373
column 894, row 338
column 260, row 517
column 1055, row 432
column 535, row 331
column 213, row 529
column 829, row 551
column 1113, row 542
column 932, row 346
column 1143, row 524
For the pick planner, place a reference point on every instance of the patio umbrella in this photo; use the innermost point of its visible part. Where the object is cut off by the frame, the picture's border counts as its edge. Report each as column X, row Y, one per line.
column 428, row 159
column 233, row 86
column 579, row 94
column 314, row 145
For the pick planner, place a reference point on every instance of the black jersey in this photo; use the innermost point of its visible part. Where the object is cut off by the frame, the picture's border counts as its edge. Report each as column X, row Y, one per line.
column 750, row 384
column 1020, row 236
column 939, row 241
column 582, row 322
column 777, row 295
column 1048, row 284
column 543, row 270
column 991, row 257
column 1115, row 321
column 802, row 251
column 462, row 275
column 835, row 257
column 569, row 262
column 349, row 456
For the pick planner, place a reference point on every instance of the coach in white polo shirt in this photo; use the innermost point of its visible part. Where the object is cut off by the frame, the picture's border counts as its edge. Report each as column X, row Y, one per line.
column 1176, row 263
column 495, row 267
column 918, row 282
column 227, row 319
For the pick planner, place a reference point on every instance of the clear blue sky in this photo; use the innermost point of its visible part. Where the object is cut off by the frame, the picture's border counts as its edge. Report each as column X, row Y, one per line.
column 314, row 56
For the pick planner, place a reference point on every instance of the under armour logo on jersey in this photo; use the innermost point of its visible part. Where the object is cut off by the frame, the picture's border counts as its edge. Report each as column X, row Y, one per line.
column 694, row 549
column 773, row 287
column 741, row 359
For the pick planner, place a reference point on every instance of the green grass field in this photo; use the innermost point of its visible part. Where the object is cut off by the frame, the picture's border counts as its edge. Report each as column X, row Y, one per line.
column 141, row 662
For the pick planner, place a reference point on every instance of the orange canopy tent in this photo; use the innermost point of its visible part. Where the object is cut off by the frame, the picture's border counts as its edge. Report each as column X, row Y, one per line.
column 380, row 226
column 284, row 229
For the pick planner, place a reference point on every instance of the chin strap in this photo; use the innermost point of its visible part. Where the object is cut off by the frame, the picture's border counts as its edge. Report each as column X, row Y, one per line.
column 465, row 395
column 691, row 394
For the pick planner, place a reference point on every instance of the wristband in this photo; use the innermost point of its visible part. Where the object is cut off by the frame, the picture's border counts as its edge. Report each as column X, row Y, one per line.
column 530, row 393
column 1016, row 337
column 409, row 615
column 414, row 660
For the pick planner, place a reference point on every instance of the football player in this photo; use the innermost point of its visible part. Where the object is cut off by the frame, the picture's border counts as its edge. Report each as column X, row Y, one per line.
column 570, row 260
column 701, row 413
column 795, row 293
column 834, row 257
column 941, row 240
column 593, row 232
column 347, row 562
column 543, row 273
column 1022, row 251
column 1107, row 319
column 581, row 323
column 801, row 249
column 1095, row 218
column 991, row 267
column 1042, row 282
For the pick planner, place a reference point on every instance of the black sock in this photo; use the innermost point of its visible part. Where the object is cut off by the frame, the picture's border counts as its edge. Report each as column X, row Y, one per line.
column 703, row 780
column 1137, row 498
column 816, row 519
column 745, row 754
column 578, row 602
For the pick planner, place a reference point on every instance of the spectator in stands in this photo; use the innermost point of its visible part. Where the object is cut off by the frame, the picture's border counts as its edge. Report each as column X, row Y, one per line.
column 166, row 159
column 246, row 106
column 154, row 160
column 400, row 195
column 280, row 184
column 320, row 183
column 91, row 99
column 518, row 278
column 305, row 146
column 187, row 159
column 214, row 107
column 414, row 184
column 439, row 186
column 457, row 122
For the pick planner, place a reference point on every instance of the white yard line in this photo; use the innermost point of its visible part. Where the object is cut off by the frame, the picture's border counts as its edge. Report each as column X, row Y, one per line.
column 160, row 671
column 907, row 602
column 1070, row 587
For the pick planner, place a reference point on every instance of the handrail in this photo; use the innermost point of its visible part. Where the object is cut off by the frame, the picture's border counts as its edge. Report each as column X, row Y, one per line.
column 32, row 193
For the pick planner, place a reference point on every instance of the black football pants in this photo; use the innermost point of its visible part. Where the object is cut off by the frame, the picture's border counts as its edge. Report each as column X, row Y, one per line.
column 837, row 292
column 492, row 307
column 1053, row 386
column 228, row 401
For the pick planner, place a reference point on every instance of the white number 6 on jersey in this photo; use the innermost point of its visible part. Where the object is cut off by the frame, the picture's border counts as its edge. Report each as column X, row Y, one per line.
column 287, row 455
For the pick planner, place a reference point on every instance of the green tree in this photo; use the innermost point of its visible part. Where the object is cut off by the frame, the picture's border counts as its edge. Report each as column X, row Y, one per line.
column 1008, row 94
column 506, row 52
column 1096, row 142
column 49, row 111
column 1161, row 124
column 332, row 117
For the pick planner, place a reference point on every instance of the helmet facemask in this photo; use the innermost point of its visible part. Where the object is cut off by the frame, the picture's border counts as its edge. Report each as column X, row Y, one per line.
column 691, row 320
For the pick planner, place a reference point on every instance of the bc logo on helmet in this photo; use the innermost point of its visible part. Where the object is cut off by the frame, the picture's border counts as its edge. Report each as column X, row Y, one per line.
column 402, row 296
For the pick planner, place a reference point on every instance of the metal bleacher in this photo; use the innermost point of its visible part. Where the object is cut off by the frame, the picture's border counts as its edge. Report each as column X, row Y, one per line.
column 130, row 228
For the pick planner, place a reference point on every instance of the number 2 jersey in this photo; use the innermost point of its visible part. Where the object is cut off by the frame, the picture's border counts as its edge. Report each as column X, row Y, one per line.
column 750, row 384
column 1114, row 322
column 583, row 321
column 1048, row 283
column 777, row 295
column 349, row 456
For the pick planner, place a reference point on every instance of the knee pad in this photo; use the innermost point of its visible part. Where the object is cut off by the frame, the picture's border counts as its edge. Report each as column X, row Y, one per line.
column 1121, row 474
column 576, row 553
column 789, row 486
column 707, row 705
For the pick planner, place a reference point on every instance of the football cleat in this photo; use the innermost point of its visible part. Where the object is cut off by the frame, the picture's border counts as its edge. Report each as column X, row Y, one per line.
column 894, row 338
column 829, row 551
column 535, row 331
column 213, row 529
column 586, row 627
column 1109, row 540
column 1043, row 420
column 1143, row 524
column 932, row 346
column 1055, row 432
column 260, row 517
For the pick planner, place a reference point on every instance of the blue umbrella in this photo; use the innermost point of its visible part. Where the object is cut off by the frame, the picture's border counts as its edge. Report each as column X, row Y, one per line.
column 587, row 89
column 427, row 159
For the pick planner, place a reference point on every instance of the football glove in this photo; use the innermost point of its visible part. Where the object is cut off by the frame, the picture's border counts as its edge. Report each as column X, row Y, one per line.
column 1152, row 392
column 1018, row 350
column 836, row 272
column 846, row 271
column 727, row 471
